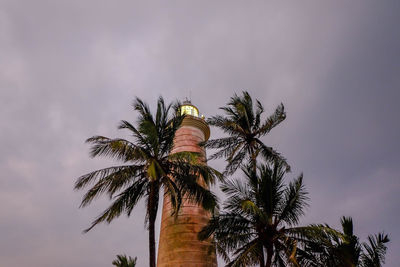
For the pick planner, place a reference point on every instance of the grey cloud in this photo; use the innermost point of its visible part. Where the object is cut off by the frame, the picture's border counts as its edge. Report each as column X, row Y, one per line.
column 69, row 70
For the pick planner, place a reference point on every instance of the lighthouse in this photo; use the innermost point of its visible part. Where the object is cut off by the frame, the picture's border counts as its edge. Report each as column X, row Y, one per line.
column 178, row 244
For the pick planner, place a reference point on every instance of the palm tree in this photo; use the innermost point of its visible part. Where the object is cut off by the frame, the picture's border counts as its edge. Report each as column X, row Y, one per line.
column 259, row 218
column 242, row 122
column 123, row 261
column 147, row 167
column 330, row 248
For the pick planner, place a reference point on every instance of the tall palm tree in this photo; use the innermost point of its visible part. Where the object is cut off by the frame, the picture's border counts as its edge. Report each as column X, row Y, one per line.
column 330, row 248
column 147, row 167
column 244, row 125
column 123, row 261
column 259, row 218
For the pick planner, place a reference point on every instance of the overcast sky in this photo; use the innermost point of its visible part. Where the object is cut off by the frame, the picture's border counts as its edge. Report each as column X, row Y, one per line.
column 70, row 69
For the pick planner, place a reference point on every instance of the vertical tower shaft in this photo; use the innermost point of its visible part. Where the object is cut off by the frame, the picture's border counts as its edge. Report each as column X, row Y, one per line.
column 179, row 245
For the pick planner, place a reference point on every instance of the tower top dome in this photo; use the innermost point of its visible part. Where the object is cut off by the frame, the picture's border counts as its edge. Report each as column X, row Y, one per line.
column 188, row 108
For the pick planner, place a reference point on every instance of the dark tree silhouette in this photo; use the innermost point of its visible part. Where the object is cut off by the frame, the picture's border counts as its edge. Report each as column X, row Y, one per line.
column 328, row 247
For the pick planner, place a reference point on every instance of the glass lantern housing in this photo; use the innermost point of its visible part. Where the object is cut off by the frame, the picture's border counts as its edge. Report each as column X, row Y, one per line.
column 189, row 109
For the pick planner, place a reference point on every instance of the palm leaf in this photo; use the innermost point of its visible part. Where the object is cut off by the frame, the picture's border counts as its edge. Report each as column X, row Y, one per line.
column 123, row 203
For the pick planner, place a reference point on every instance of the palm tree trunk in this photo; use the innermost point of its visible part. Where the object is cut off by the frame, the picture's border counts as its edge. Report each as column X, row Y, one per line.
column 152, row 219
column 152, row 244
column 253, row 159
column 269, row 257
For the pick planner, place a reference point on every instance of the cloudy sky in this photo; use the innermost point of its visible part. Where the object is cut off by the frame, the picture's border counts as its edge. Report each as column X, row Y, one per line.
column 70, row 69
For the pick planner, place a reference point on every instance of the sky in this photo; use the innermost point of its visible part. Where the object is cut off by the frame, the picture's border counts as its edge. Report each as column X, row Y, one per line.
column 70, row 70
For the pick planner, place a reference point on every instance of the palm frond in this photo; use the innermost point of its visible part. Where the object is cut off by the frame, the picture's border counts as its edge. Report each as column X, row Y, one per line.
column 123, row 203
column 143, row 109
column 186, row 156
column 174, row 193
column 201, row 172
column 242, row 122
column 119, row 149
column 190, row 188
column 139, row 139
column 226, row 152
column 347, row 225
column 272, row 121
column 237, row 160
column 259, row 110
column 124, row 261
column 247, row 255
column 112, row 183
column 295, row 199
column 92, row 177
column 220, row 143
column 272, row 156
column 237, row 193
column 375, row 250
column 229, row 229
column 271, row 186
column 227, row 125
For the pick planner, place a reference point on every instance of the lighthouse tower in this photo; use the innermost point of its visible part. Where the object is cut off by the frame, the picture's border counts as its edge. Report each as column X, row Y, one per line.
column 179, row 245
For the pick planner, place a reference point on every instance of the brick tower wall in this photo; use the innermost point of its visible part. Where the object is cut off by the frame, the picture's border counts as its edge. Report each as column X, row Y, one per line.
column 179, row 245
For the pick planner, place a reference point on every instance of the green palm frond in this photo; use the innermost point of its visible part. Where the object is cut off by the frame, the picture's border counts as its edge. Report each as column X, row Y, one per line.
column 236, row 160
column 196, row 170
column 190, row 187
column 270, row 185
column 295, row 200
column 347, row 225
column 186, row 156
column 143, row 109
column 259, row 110
column 272, row 121
column 91, row 177
column 242, row 121
column 139, row 138
column 175, row 194
column 229, row 230
column 249, row 207
column 227, row 125
column 374, row 250
column 270, row 155
column 123, row 203
column 247, row 255
column 113, row 182
column 280, row 259
column 237, row 193
column 222, row 252
column 118, row 149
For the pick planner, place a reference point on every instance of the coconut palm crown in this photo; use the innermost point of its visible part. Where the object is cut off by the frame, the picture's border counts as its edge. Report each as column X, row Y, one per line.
column 147, row 166
column 124, row 261
column 259, row 218
column 331, row 248
column 243, row 123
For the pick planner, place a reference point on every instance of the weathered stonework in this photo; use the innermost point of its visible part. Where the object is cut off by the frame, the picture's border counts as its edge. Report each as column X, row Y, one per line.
column 179, row 245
